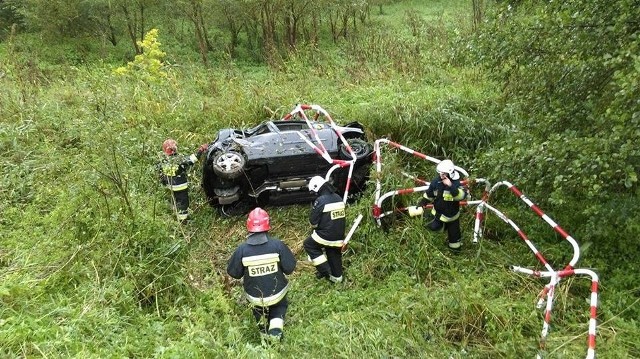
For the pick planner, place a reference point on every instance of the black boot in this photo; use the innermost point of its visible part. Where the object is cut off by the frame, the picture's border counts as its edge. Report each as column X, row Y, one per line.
column 320, row 275
column 455, row 247
column 276, row 334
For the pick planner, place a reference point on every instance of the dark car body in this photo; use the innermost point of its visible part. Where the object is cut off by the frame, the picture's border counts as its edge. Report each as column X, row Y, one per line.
column 272, row 163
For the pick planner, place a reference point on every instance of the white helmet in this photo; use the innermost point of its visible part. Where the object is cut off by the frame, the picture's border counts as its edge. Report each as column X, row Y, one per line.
column 315, row 183
column 446, row 166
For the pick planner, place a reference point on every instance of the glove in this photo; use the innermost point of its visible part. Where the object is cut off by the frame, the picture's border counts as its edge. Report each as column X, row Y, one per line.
column 201, row 150
column 415, row 210
column 203, row 147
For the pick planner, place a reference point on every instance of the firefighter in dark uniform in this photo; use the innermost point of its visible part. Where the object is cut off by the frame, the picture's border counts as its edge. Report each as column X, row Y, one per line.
column 445, row 192
column 262, row 261
column 173, row 174
column 327, row 217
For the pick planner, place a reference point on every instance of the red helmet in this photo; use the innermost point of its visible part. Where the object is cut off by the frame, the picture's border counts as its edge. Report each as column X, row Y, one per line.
column 169, row 146
column 258, row 221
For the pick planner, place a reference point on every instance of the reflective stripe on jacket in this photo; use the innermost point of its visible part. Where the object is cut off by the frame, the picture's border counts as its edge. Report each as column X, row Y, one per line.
column 262, row 261
column 446, row 200
column 328, row 218
column 173, row 171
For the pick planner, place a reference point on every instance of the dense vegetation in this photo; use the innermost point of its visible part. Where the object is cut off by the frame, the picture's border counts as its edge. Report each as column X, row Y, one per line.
column 544, row 95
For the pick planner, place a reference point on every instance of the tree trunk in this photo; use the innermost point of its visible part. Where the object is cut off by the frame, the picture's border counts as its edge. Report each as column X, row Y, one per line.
column 234, row 32
column 141, row 22
column 112, row 31
column 131, row 29
column 477, row 13
column 364, row 14
column 333, row 23
column 314, row 30
column 345, row 24
column 268, row 31
column 201, row 45
column 204, row 31
column 196, row 18
column 288, row 28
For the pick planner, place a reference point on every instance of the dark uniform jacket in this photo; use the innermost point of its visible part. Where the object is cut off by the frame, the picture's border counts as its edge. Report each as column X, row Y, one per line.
column 446, row 200
column 263, row 262
column 328, row 218
column 173, row 171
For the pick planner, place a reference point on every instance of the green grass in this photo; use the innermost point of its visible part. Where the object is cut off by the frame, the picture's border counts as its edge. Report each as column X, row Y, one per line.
column 93, row 264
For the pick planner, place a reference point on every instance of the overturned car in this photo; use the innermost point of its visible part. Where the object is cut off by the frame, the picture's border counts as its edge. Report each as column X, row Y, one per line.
column 272, row 163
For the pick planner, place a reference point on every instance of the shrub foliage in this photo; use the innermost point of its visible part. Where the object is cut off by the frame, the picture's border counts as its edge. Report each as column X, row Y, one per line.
column 93, row 263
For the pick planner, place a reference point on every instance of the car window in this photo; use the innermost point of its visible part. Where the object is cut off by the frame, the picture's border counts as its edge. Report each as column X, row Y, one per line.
column 258, row 130
column 291, row 126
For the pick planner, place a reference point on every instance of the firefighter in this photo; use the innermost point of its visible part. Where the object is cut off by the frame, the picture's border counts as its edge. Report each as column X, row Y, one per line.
column 445, row 192
column 263, row 261
column 173, row 170
column 327, row 217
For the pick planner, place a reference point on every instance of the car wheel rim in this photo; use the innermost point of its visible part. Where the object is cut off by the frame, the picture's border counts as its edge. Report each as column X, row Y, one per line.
column 360, row 148
column 229, row 161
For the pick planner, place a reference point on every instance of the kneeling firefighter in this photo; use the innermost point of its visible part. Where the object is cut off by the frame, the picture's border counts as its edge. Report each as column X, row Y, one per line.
column 445, row 192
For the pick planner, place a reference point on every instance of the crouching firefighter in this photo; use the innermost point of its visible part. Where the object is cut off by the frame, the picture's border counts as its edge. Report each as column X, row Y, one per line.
column 173, row 170
column 327, row 217
column 445, row 192
column 262, row 261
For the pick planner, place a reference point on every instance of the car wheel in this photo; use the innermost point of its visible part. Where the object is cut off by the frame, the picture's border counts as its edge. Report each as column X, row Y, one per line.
column 228, row 165
column 359, row 146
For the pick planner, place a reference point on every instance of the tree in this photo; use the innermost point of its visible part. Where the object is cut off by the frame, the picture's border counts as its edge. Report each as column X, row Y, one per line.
column 134, row 12
column 8, row 17
column 571, row 69
column 233, row 14
column 194, row 10
column 478, row 10
column 52, row 18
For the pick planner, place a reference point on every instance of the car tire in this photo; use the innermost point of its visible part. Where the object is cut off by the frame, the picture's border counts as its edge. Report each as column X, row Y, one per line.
column 228, row 165
column 361, row 148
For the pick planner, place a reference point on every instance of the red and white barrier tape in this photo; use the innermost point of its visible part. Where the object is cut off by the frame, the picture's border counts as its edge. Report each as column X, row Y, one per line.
column 320, row 148
column 555, row 277
column 538, row 211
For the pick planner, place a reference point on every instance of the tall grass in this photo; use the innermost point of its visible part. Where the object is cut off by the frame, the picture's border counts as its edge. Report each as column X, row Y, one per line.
column 93, row 264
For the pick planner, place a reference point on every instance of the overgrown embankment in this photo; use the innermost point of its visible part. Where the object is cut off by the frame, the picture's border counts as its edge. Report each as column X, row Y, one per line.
column 92, row 263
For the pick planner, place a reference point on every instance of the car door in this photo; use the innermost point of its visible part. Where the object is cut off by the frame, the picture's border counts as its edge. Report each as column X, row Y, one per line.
column 296, row 156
